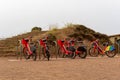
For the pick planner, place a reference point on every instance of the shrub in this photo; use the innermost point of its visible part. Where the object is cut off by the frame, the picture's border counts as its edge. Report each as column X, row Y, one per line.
column 89, row 37
column 51, row 37
column 36, row 29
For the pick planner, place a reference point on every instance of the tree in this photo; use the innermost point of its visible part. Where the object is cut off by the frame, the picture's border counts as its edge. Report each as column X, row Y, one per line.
column 36, row 29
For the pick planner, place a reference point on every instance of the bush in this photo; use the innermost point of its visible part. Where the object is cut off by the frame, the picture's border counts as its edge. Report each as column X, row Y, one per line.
column 36, row 29
column 75, row 35
column 89, row 37
column 51, row 37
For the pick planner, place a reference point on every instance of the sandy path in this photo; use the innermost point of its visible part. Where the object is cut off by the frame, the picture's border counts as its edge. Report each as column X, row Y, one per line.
column 102, row 68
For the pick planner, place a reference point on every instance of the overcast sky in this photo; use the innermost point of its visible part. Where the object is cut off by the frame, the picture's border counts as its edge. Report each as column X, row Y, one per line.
column 19, row 16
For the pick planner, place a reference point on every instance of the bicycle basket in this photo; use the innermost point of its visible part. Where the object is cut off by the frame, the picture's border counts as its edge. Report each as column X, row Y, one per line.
column 110, row 48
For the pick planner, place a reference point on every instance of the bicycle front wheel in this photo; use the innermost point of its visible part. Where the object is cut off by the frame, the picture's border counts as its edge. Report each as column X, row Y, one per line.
column 25, row 53
column 61, row 54
column 93, row 52
column 73, row 55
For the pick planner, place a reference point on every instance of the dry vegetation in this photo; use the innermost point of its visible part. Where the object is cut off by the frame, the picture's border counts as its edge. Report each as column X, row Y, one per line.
column 8, row 46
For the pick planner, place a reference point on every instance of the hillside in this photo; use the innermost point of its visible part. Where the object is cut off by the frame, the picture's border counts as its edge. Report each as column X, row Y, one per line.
column 8, row 46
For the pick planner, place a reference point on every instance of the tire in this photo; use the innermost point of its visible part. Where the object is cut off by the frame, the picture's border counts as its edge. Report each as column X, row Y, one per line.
column 48, row 55
column 72, row 50
column 60, row 53
column 83, row 54
column 52, row 50
column 25, row 54
column 73, row 55
column 43, row 53
column 93, row 52
column 110, row 53
column 34, row 56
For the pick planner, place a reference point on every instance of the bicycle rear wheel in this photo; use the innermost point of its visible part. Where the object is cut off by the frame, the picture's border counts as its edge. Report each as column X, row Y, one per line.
column 46, row 53
column 111, row 53
column 82, row 51
column 93, row 52
column 83, row 54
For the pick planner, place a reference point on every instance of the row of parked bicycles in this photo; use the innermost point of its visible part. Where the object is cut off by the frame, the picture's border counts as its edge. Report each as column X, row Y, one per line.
column 44, row 48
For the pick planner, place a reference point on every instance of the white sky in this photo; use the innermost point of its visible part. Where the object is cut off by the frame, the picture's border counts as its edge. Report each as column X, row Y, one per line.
column 19, row 16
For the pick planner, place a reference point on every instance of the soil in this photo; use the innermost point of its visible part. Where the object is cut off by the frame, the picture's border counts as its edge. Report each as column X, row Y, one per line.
column 91, row 68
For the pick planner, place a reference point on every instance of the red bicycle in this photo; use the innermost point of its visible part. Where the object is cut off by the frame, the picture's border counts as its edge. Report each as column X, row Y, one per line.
column 28, row 50
column 81, row 50
column 64, row 51
column 95, row 50
column 44, row 48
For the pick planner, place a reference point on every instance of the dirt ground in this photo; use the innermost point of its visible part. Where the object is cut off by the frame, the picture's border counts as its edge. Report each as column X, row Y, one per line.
column 99, row 68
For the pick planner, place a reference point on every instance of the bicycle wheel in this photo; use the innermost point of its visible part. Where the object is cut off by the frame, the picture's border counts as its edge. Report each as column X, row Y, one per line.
column 34, row 54
column 71, row 51
column 93, row 52
column 25, row 53
column 111, row 53
column 73, row 55
column 60, row 53
column 48, row 55
column 52, row 50
column 82, row 54
column 43, row 53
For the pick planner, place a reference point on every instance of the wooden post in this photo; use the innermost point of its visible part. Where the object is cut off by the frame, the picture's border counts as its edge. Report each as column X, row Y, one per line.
column 21, row 50
column 39, row 50
column 118, row 48
column 116, row 45
column 17, row 52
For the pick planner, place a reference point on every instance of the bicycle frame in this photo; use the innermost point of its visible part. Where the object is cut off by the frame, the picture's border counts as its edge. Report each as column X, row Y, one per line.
column 96, row 46
column 63, row 48
column 25, row 45
column 102, row 51
column 45, row 48
column 109, row 50
column 26, row 50
column 43, row 44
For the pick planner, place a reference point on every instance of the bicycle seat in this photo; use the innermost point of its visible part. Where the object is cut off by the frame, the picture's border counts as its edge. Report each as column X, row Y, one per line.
column 62, row 41
column 72, row 41
column 44, row 40
column 105, row 44
column 27, row 40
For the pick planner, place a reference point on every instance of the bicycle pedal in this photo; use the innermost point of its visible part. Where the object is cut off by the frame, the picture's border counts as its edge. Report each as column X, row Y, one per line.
column 28, row 57
column 67, row 56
